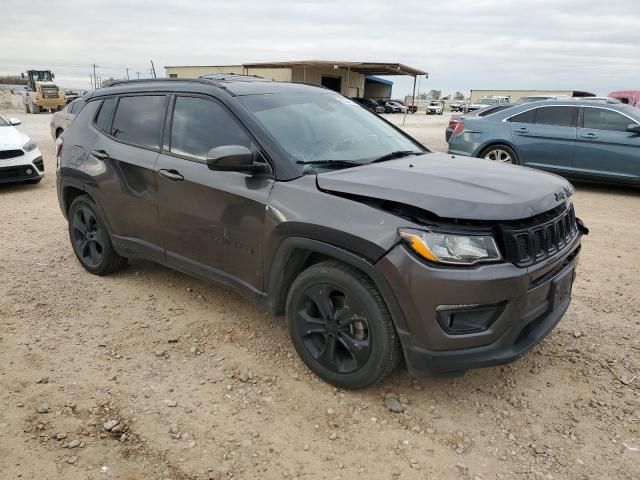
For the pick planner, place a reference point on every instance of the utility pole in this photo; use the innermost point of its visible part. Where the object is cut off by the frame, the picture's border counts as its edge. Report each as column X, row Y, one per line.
column 91, row 80
column 95, row 83
column 138, row 74
column 127, row 73
column 153, row 70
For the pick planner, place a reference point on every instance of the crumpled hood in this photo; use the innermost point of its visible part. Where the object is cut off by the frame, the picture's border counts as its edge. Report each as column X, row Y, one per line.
column 11, row 138
column 462, row 188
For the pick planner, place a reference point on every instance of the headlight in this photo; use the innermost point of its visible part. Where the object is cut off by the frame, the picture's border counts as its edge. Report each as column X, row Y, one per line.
column 451, row 248
column 30, row 145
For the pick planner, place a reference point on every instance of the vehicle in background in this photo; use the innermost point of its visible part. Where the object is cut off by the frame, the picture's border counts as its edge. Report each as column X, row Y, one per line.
column 539, row 98
column 628, row 97
column 226, row 185
column 395, row 107
column 71, row 95
column 458, row 106
column 483, row 112
column 369, row 104
column 487, row 101
column 410, row 108
column 20, row 158
column 42, row 92
column 61, row 120
column 601, row 99
column 435, row 107
column 582, row 139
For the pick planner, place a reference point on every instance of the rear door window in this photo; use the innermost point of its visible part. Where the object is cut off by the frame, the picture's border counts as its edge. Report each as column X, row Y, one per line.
column 602, row 119
column 199, row 125
column 138, row 120
column 557, row 116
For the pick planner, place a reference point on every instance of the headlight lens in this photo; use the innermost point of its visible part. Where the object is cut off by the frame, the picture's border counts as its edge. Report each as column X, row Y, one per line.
column 451, row 248
column 30, row 145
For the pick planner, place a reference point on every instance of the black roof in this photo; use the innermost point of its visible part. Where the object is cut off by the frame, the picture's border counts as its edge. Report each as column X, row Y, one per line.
column 234, row 85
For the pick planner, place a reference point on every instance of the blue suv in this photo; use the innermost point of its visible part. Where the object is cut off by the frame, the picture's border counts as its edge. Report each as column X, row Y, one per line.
column 578, row 139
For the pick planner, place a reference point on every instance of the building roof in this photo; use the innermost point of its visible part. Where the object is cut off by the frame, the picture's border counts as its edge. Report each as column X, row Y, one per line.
column 366, row 68
column 371, row 78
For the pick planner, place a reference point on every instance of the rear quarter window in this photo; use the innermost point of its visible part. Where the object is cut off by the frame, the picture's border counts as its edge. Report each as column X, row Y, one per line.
column 103, row 119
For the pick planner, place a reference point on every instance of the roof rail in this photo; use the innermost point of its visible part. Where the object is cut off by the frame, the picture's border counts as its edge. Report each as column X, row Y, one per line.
column 233, row 76
column 207, row 81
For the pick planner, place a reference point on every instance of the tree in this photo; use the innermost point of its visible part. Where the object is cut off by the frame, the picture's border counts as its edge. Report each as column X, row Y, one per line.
column 458, row 96
column 12, row 80
column 434, row 94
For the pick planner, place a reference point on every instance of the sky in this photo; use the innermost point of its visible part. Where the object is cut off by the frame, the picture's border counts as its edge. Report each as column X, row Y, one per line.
column 463, row 44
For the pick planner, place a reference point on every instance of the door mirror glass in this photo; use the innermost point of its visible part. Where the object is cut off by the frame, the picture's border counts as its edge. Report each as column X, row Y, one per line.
column 634, row 128
column 232, row 158
column 14, row 121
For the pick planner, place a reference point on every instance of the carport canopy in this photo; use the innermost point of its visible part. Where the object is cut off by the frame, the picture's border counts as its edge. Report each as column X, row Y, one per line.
column 366, row 68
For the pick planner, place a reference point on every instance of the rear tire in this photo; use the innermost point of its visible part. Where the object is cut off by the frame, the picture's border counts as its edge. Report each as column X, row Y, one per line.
column 90, row 239
column 341, row 327
column 35, row 109
column 500, row 153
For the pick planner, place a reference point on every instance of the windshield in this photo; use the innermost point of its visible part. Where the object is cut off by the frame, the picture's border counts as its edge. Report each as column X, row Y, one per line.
column 325, row 128
column 42, row 76
column 488, row 101
column 3, row 122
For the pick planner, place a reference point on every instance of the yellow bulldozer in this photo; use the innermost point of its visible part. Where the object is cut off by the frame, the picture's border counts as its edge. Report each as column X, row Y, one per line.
column 42, row 93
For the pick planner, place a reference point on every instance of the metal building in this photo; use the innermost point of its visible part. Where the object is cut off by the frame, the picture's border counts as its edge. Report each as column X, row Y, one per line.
column 347, row 78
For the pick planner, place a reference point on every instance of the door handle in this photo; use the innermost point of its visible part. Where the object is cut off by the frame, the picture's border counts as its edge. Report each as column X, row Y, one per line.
column 589, row 135
column 100, row 154
column 172, row 175
column 522, row 130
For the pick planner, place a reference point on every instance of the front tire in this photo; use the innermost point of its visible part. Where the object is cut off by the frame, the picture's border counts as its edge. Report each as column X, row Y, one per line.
column 500, row 153
column 341, row 327
column 90, row 239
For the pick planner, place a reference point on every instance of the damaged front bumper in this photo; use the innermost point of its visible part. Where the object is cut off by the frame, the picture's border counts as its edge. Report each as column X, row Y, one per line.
column 463, row 318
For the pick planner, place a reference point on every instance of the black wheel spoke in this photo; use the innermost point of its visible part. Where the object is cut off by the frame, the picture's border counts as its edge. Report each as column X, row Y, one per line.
column 319, row 294
column 358, row 349
column 83, row 246
column 79, row 225
column 328, row 353
column 93, row 252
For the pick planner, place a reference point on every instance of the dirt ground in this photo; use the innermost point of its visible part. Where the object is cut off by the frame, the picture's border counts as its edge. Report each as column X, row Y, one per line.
column 200, row 384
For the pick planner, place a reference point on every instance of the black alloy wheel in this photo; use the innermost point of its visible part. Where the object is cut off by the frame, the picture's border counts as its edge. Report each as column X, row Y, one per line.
column 90, row 238
column 340, row 325
column 334, row 328
column 87, row 237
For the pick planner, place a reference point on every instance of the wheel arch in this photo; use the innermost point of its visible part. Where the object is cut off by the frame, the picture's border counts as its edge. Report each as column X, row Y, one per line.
column 493, row 143
column 296, row 254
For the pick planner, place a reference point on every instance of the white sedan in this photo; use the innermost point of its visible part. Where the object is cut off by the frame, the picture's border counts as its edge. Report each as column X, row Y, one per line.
column 20, row 159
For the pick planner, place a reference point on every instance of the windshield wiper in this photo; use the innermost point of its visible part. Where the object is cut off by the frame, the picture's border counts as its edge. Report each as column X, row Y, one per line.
column 396, row 154
column 335, row 163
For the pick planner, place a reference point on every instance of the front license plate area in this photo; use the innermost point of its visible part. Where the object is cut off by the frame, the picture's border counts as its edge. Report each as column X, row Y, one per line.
column 562, row 288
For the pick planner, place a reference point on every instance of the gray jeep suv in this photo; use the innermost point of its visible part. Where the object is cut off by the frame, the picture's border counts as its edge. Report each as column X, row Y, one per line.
column 303, row 201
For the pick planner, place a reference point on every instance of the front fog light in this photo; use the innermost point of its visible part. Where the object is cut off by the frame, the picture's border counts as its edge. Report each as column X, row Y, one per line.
column 451, row 248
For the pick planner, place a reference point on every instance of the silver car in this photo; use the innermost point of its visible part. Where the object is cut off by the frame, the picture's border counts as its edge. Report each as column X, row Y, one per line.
column 61, row 120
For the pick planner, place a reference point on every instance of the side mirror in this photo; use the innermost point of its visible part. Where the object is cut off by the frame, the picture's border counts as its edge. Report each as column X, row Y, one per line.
column 634, row 128
column 14, row 121
column 233, row 158
column 53, row 75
